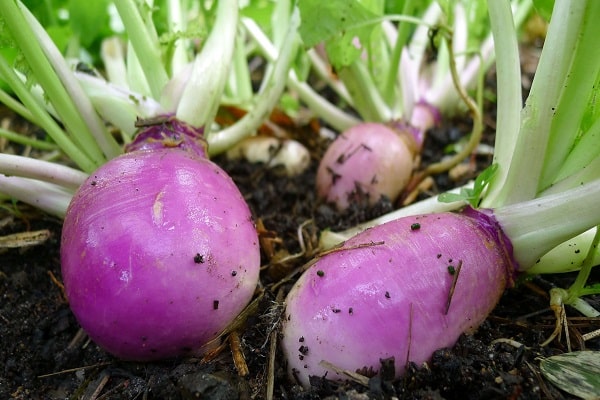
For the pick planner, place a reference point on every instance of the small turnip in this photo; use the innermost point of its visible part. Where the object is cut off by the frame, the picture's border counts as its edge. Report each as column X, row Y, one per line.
column 365, row 163
column 159, row 251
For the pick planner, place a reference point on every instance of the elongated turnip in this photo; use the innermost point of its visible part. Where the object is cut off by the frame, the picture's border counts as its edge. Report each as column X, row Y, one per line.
column 159, row 252
column 410, row 286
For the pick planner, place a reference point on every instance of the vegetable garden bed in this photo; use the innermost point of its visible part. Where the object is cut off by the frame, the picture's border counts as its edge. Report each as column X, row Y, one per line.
column 139, row 263
column 45, row 356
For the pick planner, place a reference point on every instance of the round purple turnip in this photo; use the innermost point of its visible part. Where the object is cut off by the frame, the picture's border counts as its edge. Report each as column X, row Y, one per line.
column 159, row 251
column 366, row 162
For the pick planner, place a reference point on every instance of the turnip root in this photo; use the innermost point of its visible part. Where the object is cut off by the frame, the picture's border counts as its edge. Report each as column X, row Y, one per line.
column 159, row 252
column 408, row 287
column 366, row 162
column 388, row 293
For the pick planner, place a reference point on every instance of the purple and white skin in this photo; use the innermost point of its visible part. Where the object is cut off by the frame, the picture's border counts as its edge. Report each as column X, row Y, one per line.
column 159, row 251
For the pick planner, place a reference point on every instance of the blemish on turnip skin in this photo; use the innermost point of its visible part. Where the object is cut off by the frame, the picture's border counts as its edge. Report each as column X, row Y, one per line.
column 350, row 311
column 334, row 175
column 387, row 295
column 336, row 310
column 320, row 273
column 345, row 156
column 215, row 304
column 453, row 286
column 233, row 273
column 301, row 340
column 303, row 350
column 199, row 258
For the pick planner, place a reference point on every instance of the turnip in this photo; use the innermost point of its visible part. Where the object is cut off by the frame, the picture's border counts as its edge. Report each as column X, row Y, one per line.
column 365, row 163
column 413, row 285
column 141, row 301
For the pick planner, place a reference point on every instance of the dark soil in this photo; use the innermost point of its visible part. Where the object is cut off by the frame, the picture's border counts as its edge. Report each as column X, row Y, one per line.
column 43, row 354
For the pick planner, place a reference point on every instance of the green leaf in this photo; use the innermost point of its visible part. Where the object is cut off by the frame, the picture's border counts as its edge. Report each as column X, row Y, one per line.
column 89, row 19
column 472, row 196
column 544, row 8
column 452, row 197
column 344, row 26
column 484, row 179
column 260, row 11
column 577, row 373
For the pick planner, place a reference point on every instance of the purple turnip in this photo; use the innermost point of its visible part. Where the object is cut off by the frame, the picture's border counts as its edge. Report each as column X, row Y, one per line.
column 365, row 163
column 408, row 287
column 159, row 251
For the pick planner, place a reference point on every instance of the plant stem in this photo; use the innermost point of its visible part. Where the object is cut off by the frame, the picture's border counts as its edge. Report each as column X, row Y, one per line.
column 401, row 40
column 266, row 100
column 27, row 167
column 145, row 45
column 577, row 287
column 476, row 132
column 366, row 98
column 333, row 115
column 537, row 226
column 48, row 197
column 45, row 120
column 17, row 107
column 526, row 166
column 83, row 123
column 202, row 94
column 509, row 97
column 25, row 31
column 118, row 105
column 576, row 91
column 177, row 23
column 26, row 141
